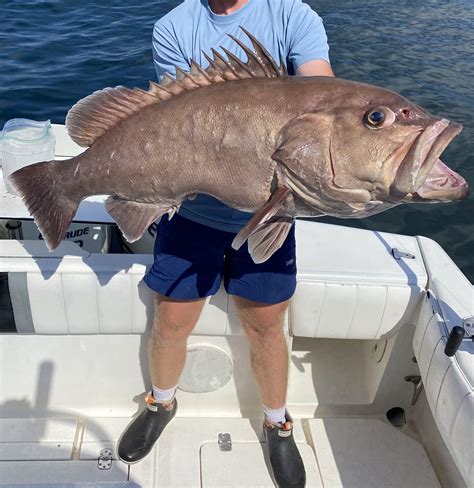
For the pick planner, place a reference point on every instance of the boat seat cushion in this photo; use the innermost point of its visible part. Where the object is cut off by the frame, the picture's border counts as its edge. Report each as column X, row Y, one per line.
column 354, row 292
column 448, row 381
column 350, row 285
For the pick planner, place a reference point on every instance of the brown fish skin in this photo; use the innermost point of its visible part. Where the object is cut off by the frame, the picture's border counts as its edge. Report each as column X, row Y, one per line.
column 292, row 146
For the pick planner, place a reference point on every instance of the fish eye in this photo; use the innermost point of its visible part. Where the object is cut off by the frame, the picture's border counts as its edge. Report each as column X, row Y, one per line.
column 379, row 118
column 376, row 118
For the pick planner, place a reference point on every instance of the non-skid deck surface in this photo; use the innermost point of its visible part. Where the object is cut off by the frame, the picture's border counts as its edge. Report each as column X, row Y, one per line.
column 369, row 453
column 350, row 453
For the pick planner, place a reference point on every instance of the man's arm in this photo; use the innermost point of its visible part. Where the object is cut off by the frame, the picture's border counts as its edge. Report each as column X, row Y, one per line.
column 166, row 52
column 308, row 46
column 317, row 67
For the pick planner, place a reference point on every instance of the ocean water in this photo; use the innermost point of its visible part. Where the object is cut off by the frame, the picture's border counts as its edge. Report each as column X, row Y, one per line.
column 52, row 53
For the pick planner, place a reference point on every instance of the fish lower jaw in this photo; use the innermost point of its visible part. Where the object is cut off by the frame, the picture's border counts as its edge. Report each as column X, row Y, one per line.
column 421, row 161
column 442, row 184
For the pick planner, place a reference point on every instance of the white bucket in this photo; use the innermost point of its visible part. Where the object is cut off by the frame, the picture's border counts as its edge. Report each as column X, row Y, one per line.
column 25, row 142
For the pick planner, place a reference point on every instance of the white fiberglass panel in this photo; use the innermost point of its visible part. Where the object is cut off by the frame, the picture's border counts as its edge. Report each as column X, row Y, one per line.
column 115, row 303
column 343, row 254
column 453, row 391
column 337, row 311
column 80, row 299
column 47, row 303
column 399, row 307
column 463, row 433
column 433, row 366
column 368, row 312
column 142, row 298
column 424, row 318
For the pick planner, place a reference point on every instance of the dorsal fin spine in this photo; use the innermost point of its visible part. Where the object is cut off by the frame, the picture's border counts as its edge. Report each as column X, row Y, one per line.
column 94, row 115
column 239, row 62
column 260, row 49
column 199, row 70
column 250, row 55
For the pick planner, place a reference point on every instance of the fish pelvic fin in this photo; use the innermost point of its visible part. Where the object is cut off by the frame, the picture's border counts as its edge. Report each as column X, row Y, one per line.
column 267, row 238
column 47, row 199
column 134, row 218
column 93, row 116
column 265, row 231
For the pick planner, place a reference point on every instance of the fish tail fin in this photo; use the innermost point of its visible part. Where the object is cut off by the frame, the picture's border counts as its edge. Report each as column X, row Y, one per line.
column 47, row 198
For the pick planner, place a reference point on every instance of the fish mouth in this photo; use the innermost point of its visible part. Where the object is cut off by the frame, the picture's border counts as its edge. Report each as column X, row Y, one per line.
column 442, row 184
column 422, row 176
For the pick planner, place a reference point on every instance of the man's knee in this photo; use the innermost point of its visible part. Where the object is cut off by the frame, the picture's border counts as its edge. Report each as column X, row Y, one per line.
column 175, row 319
column 261, row 319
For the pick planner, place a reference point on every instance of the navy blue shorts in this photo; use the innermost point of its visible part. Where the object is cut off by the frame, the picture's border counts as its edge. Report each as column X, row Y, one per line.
column 191, row 259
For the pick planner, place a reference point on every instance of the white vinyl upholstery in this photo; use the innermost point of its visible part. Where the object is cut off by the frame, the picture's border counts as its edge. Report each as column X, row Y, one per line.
column 71, row 291
column 349, row 284
column 356, row 291
column 448, row 381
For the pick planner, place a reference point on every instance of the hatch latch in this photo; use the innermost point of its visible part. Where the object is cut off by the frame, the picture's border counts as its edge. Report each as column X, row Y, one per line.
column 397, row 254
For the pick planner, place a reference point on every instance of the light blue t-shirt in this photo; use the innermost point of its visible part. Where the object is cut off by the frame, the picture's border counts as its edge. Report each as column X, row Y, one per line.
column 286, row 28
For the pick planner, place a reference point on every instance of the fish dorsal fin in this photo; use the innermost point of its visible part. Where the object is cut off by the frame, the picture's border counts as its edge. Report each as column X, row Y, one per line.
column 94, row 115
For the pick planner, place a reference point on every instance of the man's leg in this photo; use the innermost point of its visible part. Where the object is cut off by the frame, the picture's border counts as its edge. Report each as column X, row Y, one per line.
column 188, row 265
column 263, row 325
column 173, row 322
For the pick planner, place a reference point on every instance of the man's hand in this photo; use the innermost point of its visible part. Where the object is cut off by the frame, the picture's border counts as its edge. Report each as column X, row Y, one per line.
column 317, row 67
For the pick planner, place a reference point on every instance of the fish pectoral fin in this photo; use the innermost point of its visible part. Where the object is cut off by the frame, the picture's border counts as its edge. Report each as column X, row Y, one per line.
column 268, row 211
column 268, row 238
column 134, row 218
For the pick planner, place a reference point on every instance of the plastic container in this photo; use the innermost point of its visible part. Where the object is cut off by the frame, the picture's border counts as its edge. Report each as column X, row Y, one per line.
column 25, row 142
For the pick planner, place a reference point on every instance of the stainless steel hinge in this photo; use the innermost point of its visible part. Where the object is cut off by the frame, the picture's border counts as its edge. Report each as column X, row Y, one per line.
column 105, row 459
column 468, row 326
column 225, row 442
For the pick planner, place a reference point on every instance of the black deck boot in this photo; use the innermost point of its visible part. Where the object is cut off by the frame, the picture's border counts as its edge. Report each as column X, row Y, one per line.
column 287, row 465
column 142, row 433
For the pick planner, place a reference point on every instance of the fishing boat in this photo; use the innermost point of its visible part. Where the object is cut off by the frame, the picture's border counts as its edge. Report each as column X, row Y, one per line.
column 380, row 351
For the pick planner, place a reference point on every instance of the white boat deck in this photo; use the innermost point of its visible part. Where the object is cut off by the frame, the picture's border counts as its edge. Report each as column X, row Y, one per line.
column 355, row 453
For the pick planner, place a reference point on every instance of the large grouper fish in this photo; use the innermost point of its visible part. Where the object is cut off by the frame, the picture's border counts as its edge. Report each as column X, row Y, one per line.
column 251, row 136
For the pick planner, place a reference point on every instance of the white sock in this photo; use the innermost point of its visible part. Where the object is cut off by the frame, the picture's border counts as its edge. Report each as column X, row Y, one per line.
column 163, row 396
column 275, row 415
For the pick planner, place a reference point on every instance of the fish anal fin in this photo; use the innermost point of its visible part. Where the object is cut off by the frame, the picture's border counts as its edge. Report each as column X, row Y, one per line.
column 268, row 237
column 134, row 218
column 263, row 215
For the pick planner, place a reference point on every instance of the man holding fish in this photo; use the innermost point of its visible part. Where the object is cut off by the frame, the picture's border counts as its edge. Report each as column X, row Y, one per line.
column 193, row 251
column 271, row 147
